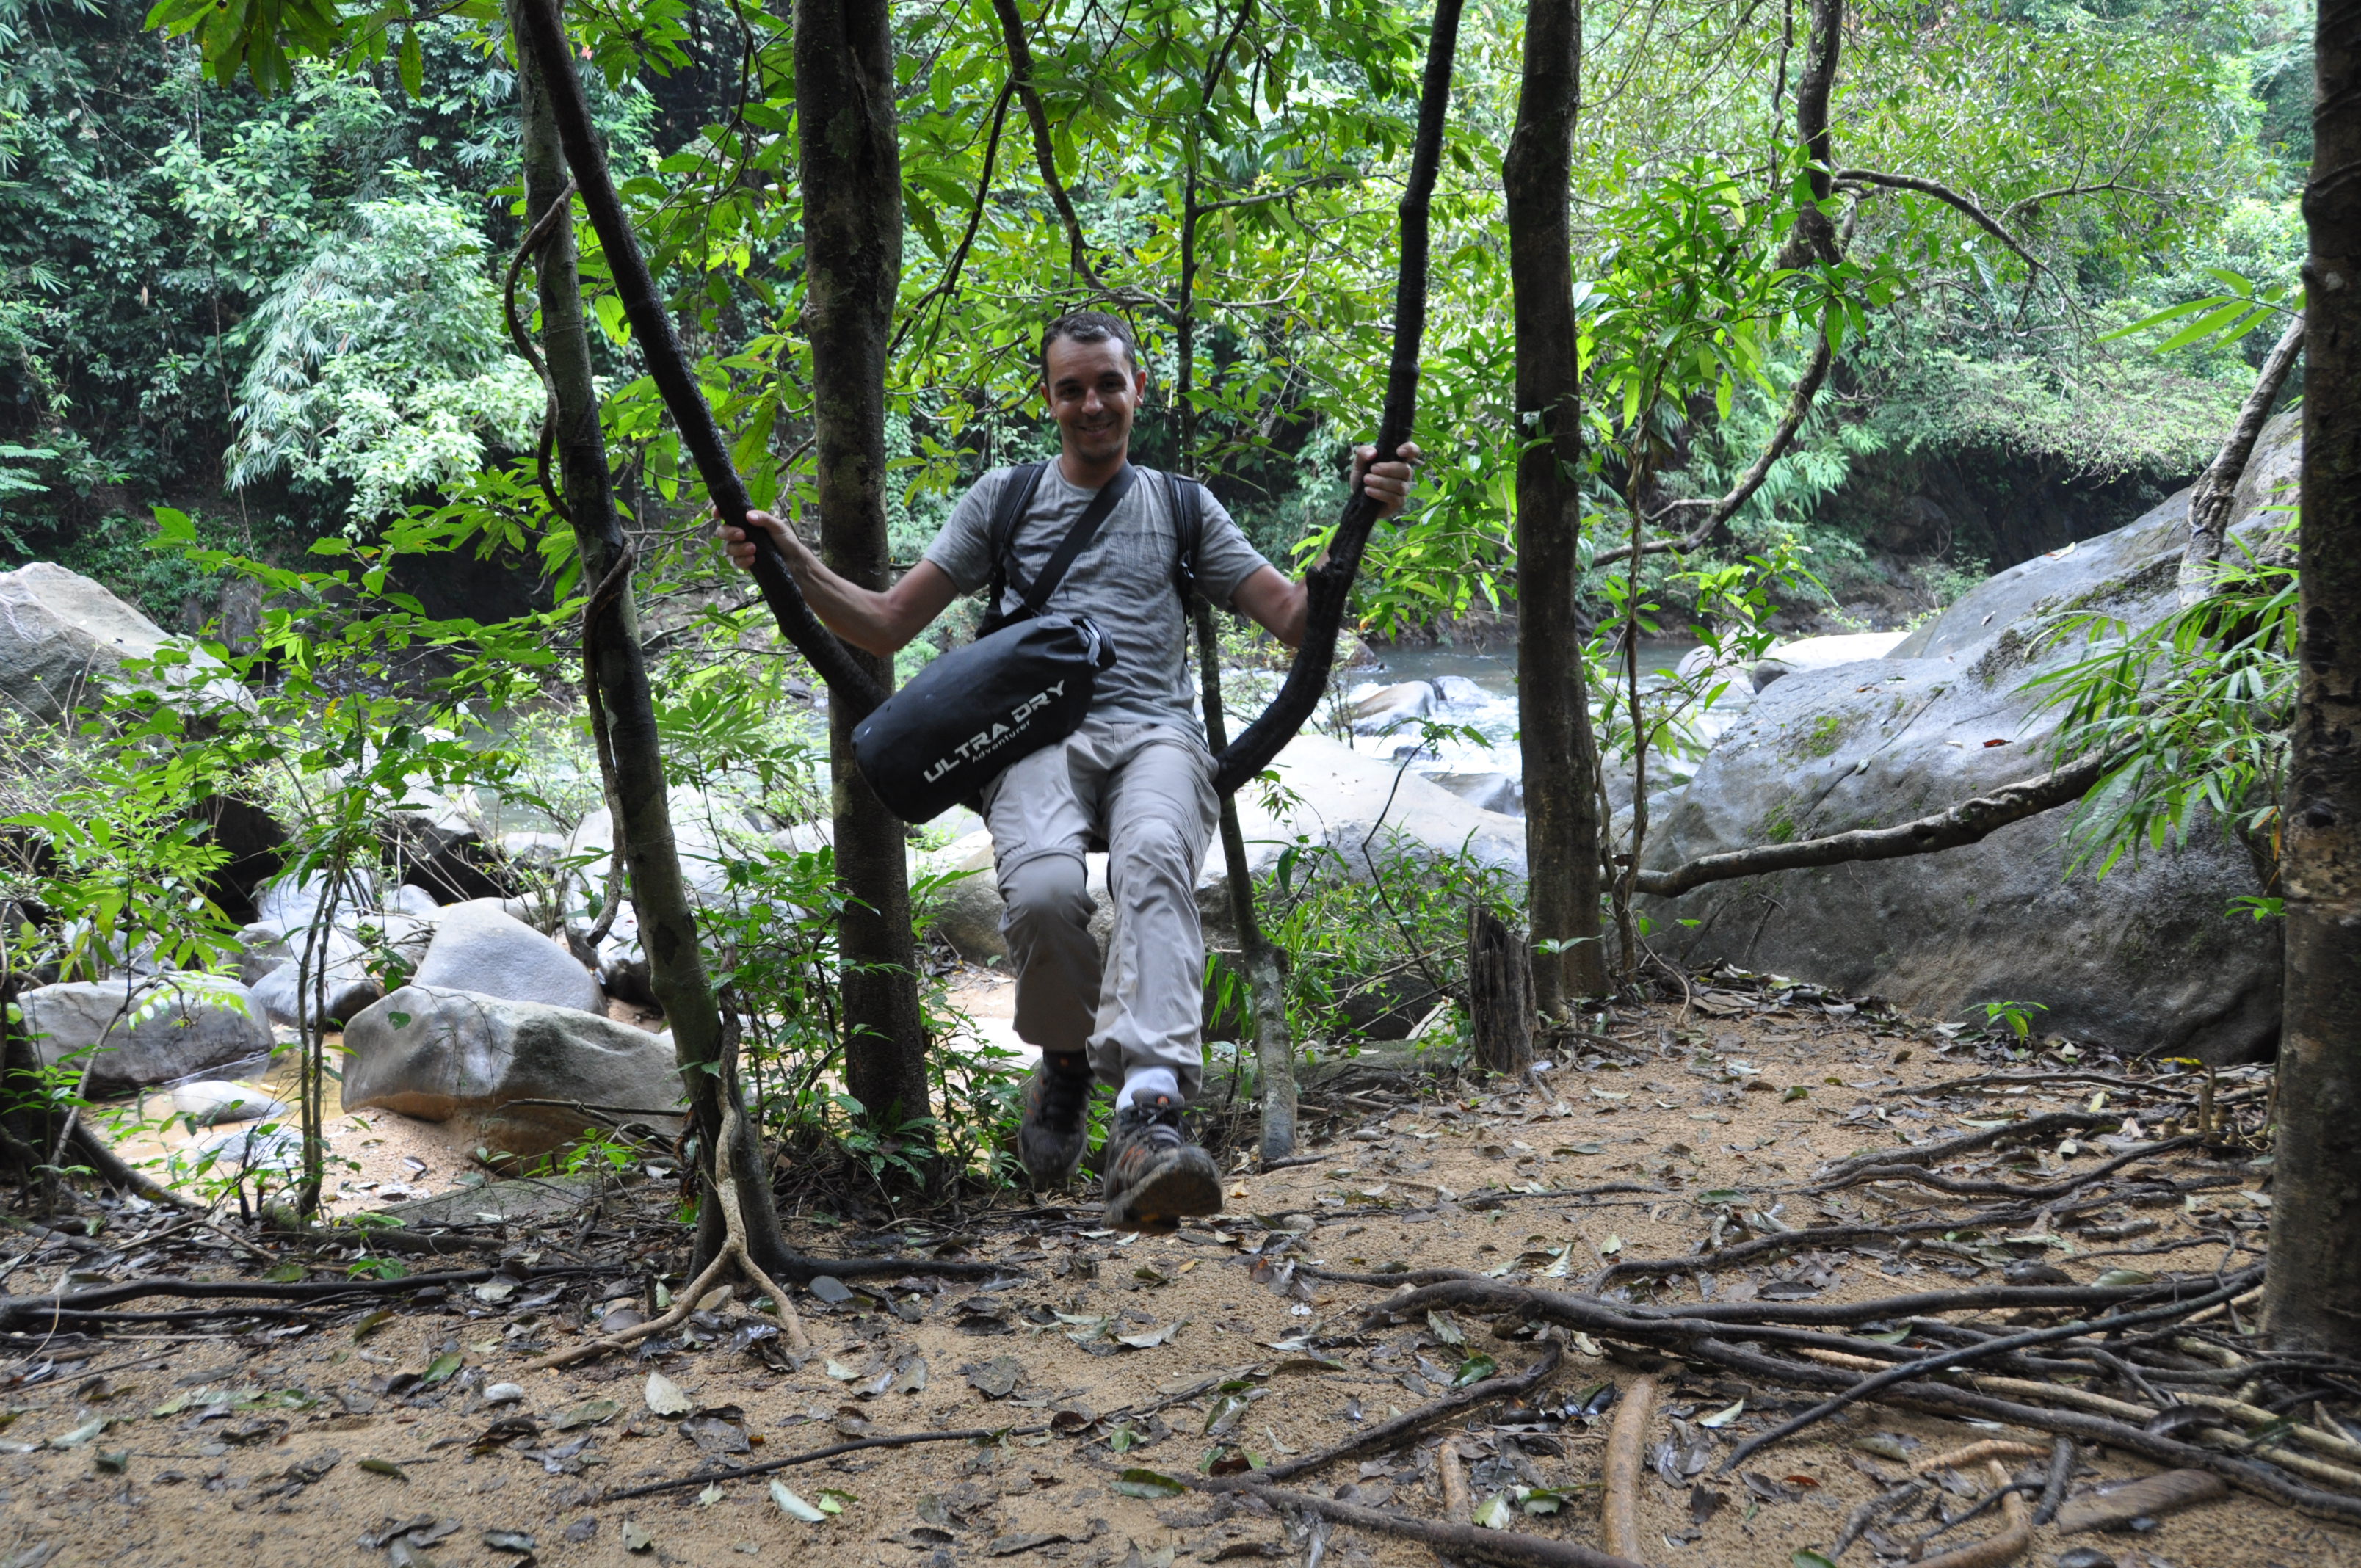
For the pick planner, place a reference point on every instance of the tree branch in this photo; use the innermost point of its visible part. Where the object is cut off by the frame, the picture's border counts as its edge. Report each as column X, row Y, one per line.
column 1966, row 823
column 1949, row 198
column 1045, row 153
column 1717, row 512
column 2216, row 491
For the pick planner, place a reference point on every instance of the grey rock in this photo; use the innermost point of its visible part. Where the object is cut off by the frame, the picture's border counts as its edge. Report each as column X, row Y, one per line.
column 2149, row 959
column 261, row 948
column 498, row 1202
column 145, row 1030
column 437, row 1054
column 1458, row 691
column 1404, row 702
column 211, row 1102
column 480, row 947
column 1486, row 790
column 1822, row 654
column 411, row 899
column 291, row 903
column 287, row 995
column 63, row 638
column 250, row 1148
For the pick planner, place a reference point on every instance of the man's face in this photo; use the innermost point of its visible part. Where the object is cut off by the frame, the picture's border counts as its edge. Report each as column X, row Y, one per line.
column 1092, row 392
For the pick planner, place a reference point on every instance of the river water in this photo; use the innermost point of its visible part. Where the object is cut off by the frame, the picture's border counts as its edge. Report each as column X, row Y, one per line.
column 1478, row 693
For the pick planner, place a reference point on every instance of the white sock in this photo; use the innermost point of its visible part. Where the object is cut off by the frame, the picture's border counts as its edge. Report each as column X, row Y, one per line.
column 1150, row 1081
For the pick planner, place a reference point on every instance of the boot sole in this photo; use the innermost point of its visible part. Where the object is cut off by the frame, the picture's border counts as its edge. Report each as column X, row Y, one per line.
column 1182, row 1189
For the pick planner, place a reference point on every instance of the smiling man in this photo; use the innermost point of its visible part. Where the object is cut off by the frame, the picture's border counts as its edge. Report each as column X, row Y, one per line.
column 1135, row 777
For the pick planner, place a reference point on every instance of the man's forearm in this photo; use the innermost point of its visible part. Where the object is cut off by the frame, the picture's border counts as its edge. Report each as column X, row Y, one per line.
column 861, row 616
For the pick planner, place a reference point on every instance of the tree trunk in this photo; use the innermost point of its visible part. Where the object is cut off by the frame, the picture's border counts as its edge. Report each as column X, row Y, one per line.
column 1814, row 238
column 853, row 253
column 668, row 924
column 1560, row 754
column 2311, row 1299
column 1499, row 993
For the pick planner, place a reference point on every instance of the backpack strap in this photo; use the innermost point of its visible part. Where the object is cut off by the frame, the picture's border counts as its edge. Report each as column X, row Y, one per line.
column 1186, row 497
column 1016, row 500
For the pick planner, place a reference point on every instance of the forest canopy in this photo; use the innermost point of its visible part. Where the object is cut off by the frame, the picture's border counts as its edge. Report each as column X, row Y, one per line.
column 185, row 260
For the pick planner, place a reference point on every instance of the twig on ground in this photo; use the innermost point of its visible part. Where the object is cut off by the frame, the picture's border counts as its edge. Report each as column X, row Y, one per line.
column 1988, row 1448
column 2062, row 1460
column 895, row 1440
column 1857, row 1524
column 1392, row 1433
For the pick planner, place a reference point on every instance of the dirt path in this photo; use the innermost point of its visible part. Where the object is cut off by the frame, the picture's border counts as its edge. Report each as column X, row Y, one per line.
column 212, row 1438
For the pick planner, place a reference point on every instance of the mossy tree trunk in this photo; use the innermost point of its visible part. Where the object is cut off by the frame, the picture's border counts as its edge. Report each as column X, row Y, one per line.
column 853, row 256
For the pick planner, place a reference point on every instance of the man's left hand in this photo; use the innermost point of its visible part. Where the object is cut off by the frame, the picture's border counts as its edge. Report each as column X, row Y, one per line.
column 1388, row 484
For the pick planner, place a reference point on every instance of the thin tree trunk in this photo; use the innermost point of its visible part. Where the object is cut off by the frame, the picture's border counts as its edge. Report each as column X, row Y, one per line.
column 1266, row 990
column 2312, row 1299
column 2216, row 491
column 1560, row 753
column 668, row 924
column 853, row 253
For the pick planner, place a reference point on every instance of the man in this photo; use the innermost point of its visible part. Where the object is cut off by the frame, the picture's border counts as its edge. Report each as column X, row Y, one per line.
column 1136, row 776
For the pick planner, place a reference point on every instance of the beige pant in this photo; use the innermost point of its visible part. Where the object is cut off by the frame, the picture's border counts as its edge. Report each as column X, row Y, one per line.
column 1146, row 791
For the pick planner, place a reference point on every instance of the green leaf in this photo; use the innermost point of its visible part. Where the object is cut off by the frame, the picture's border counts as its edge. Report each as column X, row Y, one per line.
column 1806, row 1558
column 285, row 1274
column 441, row 1367
column 385, row 1467
column 1474, row 1369
column 1147, row 1484
column 412, row 64
column 1496, row 1513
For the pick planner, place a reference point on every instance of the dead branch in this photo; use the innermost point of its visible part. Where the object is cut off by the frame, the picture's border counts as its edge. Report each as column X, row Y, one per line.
column 1968, row 822
column 1976, row 1453
column 2216, row 490
column 2062, row 1459
column 1511, row 1549
column 26, row 1310
column 1977, row 1188
column 893, row 1439
column 1450, row 1471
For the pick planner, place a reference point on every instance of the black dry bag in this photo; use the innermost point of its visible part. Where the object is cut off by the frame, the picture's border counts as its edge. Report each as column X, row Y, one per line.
column 976, row 709
column 938, row 740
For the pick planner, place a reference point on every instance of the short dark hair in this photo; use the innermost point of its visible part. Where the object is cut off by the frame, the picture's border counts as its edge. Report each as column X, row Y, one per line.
column 1089, row 326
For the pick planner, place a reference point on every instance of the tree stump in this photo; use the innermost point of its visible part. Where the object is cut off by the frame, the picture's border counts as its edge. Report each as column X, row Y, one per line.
column 1500, row 992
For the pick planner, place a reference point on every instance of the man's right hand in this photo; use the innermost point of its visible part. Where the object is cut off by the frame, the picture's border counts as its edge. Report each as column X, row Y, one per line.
column 738, row 543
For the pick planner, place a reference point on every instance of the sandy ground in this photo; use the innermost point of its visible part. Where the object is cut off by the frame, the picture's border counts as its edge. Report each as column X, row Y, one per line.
column 211, row 1439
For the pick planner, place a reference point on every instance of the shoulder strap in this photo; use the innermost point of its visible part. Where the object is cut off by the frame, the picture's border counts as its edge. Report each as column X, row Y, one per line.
column 1077, row 539
column 1016, row 500
column 1187, row 500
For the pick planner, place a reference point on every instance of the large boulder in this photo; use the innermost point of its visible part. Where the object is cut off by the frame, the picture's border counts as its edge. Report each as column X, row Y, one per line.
column 2150, row 958
column 146, row 1029
column 63, row 638
column 480, row 947
column 438, row 1054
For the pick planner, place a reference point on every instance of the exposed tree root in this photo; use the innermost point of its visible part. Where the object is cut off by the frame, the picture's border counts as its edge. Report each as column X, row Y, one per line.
column 1993, row 1550
column 1392, row 1433
column 29, row 1312
column 733, row 1250
column 1627, row 1448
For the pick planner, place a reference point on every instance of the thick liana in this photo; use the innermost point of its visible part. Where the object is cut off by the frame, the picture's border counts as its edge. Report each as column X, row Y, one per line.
column 1330, row 583
column 543, row 33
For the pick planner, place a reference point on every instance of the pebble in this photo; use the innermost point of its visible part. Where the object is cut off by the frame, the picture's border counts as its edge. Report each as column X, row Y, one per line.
column 503, row 1394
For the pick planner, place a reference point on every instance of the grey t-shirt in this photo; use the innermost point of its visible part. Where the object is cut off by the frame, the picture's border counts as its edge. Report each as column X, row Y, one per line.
column 1122, row 582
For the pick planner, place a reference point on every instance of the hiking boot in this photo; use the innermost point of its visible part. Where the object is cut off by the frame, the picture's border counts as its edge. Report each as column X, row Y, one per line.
column 1054, row 1132
column 1155, row 1178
